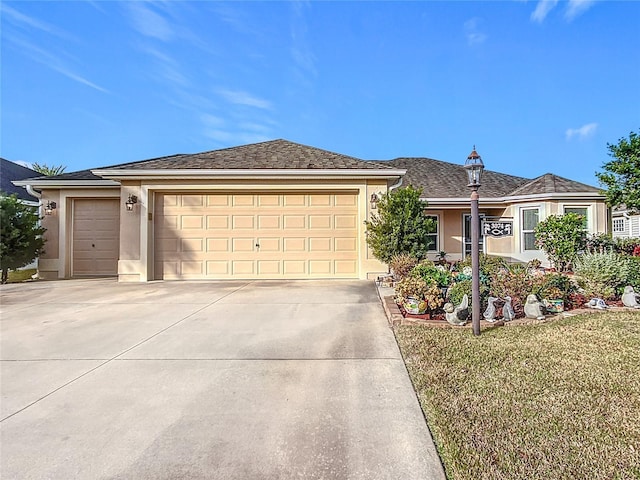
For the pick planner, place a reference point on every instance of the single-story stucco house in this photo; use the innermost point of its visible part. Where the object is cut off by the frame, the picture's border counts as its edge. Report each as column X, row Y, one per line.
column 276, row 210
column 9, row 172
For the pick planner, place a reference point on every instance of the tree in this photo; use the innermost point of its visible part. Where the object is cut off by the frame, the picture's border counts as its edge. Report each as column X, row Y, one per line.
column 20, row 235
column 49, row 171
column 400, row 226
column 562, row 237
column 622, row 174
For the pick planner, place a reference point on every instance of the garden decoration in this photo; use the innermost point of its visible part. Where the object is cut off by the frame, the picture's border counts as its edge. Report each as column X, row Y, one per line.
column 507, row 311
column 597, row 303
column 415, row 306
column 554, row 305
column 533, row 307
column 457, row 315
column 629, row 297
column 490, row 313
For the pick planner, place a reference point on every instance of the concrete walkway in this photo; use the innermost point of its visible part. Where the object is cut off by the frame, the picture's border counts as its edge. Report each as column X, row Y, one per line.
column 223, row 380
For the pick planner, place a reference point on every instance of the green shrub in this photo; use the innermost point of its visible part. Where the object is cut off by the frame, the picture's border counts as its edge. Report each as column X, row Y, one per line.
column 553, row 285
column 459, row 290
column 633, row 273
column 429, row 271
column 516, row 281
column 601, row 274
column 420, row 289
column 600, row 243
column 561, row 237
column 626, row 245
column 400, row 226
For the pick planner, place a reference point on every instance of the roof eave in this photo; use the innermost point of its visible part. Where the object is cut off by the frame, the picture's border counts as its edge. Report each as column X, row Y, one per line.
column 67, row 183
column 164, row 174
column 517, row 198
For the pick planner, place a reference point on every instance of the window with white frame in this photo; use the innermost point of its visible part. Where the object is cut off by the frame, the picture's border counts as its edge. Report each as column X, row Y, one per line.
column 432, row 236
column 580, row 211
column 619, row 225
column 466, row 233
column 529, row 221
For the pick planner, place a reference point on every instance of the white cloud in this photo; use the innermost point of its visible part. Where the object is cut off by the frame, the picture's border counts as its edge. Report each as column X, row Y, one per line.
column 227, row 137
column 542, row 9
column 149, row 23
column 239, row 97
column 52, row 61
column 304, row 60
column 577, row 7
column 474, row 36
column 582, row 132
column 24, row 21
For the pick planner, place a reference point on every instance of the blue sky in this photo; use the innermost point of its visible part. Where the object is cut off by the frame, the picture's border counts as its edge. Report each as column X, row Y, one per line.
column 538, row 86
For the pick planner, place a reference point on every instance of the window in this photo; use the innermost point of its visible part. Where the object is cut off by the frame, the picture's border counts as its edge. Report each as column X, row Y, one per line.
column 530, row 218
column 467, row 235
column 432, row 236
column 619, row 225
column 580, row 211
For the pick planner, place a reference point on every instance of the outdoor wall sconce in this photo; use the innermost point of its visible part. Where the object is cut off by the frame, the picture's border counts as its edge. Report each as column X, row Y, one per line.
column 50, row 207
column 131, row 201
column 374, row 201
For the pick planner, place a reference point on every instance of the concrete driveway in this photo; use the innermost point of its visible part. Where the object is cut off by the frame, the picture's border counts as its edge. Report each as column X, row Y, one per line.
column 222, row 380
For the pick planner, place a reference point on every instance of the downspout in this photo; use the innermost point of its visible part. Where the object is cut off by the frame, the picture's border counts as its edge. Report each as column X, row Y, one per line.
column 32, row 192
column 36, row 194
column 396, row 185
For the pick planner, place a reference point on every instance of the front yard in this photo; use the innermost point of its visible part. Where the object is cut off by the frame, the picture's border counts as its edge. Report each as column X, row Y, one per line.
column 558, row 400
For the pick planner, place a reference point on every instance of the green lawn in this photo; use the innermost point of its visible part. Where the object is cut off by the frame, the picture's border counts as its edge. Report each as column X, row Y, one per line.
column 559, row 400
column 18, row 276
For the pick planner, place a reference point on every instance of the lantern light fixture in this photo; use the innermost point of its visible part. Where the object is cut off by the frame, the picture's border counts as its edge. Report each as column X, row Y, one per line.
column 131, row 201
column 474, row 167
column 50, row 207
column 373, row 202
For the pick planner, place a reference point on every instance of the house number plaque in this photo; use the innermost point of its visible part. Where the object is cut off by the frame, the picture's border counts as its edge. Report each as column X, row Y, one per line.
column 497, row 229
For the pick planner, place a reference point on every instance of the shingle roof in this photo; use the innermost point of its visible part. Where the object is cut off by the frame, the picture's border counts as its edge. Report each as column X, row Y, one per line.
column 10, row 171
column 550, row 183
column 79, row 175
column 274, row 154
column 439, row 179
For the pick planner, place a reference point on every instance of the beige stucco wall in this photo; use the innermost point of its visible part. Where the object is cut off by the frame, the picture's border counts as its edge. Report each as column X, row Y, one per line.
column 129, row 263
column 48, row 261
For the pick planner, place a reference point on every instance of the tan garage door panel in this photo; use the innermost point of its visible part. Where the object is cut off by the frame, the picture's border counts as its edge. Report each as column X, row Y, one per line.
column 96, row 237
column 286, row 235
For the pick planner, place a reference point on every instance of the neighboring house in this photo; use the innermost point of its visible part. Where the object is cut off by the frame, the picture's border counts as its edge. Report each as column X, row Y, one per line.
column 9, row 172
column 625, row 223
column 274, row 210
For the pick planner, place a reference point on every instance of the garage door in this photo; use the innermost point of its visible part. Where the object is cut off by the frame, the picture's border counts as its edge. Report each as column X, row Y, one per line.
column 256, row 235
column 96, row 237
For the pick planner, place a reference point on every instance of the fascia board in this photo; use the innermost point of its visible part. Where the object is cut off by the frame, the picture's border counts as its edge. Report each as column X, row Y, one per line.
column 67, row 183
column 244, row 174
column 519, row 198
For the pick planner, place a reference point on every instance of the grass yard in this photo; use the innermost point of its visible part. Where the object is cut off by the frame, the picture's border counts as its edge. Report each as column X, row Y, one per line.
column 558, row 400
column 17, row 276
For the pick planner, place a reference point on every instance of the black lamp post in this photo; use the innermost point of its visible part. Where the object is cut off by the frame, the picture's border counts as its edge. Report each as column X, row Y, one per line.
column 474, row 167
